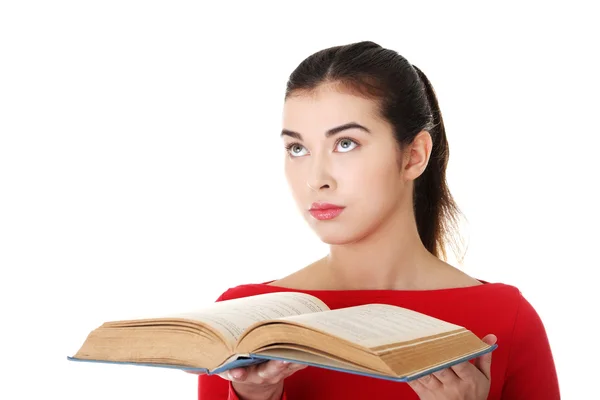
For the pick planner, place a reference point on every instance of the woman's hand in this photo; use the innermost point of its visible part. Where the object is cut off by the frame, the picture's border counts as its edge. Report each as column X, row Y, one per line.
column 464, row 381
column 261, row 381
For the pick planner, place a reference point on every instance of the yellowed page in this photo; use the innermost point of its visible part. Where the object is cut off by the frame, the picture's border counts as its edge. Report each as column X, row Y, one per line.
column 311, row 357
column 232, row 317
column 374, row 325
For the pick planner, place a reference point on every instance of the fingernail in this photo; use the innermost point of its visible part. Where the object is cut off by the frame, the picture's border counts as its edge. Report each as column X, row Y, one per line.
column 236, row 374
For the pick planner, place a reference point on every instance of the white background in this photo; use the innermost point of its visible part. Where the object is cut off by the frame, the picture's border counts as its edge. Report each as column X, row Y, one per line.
column 141, row 169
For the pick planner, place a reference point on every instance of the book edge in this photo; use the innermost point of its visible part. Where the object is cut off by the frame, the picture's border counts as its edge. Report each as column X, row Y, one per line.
column 257, row 359
column 404, row 378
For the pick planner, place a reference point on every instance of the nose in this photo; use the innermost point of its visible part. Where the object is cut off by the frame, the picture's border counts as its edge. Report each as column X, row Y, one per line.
column 319, row 177
column 316, row 189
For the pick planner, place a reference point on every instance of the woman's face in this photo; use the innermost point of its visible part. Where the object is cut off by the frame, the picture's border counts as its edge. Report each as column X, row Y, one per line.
column 340, row 152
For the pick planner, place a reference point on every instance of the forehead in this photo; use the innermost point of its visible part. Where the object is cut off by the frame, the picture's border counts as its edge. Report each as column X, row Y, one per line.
column 326, row 107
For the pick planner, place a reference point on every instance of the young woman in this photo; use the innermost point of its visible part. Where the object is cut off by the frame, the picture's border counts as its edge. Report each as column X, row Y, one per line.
column 366, row 163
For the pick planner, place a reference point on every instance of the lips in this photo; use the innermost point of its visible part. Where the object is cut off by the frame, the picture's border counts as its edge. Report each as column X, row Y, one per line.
column 325, row 211
column 324, row 206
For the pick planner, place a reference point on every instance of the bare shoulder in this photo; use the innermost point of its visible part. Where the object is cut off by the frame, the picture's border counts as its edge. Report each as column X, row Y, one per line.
column 307, row 278
column 450, row 276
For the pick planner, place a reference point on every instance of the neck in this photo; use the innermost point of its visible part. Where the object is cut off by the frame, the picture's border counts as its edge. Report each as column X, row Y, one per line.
column 393, row 257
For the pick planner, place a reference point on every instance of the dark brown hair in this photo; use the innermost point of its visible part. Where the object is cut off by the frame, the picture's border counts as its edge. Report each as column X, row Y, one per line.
column 408, row 102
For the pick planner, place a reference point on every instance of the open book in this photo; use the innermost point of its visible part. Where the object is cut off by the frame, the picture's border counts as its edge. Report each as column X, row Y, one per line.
column 376, row 340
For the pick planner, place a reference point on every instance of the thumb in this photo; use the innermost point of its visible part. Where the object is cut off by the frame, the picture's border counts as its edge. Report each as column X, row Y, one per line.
column 484, row 363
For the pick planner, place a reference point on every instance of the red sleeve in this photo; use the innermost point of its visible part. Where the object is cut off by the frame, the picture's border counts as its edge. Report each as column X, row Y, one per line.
column 213, row 387
column 531, row 372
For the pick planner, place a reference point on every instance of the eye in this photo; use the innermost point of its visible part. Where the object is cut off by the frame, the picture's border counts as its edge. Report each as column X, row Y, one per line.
column 343, row 145
column 294, row 149
column 346, row 144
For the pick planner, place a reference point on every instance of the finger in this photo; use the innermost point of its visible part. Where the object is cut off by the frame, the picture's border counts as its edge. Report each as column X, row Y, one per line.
column 446, row 376
column 293, row 367
column 270, row 372
column 276, row 371
column 484, row 363
column 465, row 371
column 235, row 374
column 418, row 387
column 290, row 369
column 430, row 382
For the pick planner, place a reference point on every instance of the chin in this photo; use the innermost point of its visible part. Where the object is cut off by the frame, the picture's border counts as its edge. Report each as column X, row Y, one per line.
column 335, row 239
column 336, row 233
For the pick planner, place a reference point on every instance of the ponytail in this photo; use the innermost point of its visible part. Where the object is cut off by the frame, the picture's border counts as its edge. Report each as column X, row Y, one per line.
column 435, row 210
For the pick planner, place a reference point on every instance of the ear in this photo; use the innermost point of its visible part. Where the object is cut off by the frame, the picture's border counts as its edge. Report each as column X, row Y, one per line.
column 416, row 155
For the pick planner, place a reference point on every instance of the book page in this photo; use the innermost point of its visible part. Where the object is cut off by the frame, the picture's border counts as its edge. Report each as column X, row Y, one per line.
column 232, row 317
column 310, row 357
column 374, row 325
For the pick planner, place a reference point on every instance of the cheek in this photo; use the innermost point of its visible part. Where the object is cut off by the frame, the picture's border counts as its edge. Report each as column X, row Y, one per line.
column 296, row 181
column 379, row 179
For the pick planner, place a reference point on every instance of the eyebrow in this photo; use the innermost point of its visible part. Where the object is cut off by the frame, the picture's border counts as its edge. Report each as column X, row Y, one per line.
column 330, row 132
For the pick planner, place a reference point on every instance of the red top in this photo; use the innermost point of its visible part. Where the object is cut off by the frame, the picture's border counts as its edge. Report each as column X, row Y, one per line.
column 522, row 365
